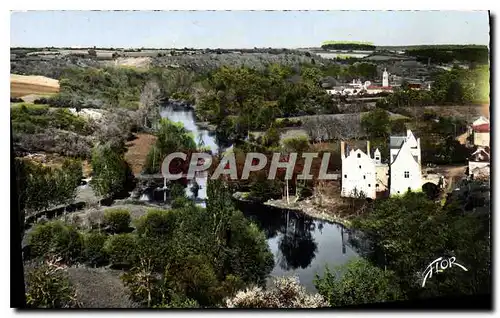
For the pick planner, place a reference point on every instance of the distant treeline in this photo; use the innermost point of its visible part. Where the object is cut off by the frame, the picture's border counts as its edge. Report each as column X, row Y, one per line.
column 361, row 46
column 472, row 54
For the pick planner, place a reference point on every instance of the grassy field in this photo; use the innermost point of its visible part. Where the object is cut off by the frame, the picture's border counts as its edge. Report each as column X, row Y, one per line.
column 21, row 85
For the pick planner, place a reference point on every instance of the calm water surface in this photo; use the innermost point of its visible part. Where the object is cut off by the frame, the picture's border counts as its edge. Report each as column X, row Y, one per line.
column 301, row 245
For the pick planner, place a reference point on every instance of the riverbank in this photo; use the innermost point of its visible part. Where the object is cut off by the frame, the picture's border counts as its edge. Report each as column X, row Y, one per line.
column 308, row 207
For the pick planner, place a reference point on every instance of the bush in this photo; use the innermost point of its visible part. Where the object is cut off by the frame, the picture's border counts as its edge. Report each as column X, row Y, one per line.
column 360, row 283
column 156, row 222
column 296, row 144
column 117, row 220
column 263, row 190
column 121, row 249
column 48, row 286
column 286, row 292
column 94, row 252
column 55, row 238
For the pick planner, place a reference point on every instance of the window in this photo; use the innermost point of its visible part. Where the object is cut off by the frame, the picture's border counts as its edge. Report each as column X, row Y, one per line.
column 359, row 167
column 369, row 185
column 359, row 155
column 377, row 158
column 345, row 176
column 409, row 189
column 364, row 177
column 407, row 174
column 376, row 186
column 398, row 192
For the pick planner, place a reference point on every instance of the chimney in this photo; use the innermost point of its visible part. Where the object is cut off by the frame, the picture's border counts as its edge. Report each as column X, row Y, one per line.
column 342, row 149
column 368, row 148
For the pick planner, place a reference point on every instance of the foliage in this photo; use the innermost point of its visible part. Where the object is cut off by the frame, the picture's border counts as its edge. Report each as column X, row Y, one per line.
column 56, row 239
column 46, row 186
column 296, row 144
column 460, row 86
column 272, row 137
column 411, row 231
column 348, row 45
column 447, row 54
column 48, row 286
column 117, row 220
column 240, row 100
column 455, row 87
column 171, row 137
column 122, row 249
column 27, row 118
column 94, row 253
column 116, row 87
column 157, row 222
column 376, row 123
column 109, row 170
column 262, row 189
column 357, row 282
column 286, row 292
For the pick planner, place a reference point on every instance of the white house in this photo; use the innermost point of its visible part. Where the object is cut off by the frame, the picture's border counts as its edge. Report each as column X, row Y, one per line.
column 362, row 174
column 358, row 173
column 481, row 135
column 405, row 164
column 479, row 163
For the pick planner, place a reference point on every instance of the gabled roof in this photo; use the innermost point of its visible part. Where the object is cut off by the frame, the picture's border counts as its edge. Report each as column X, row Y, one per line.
column 395, row 142
column 481, row 128
column 483, row 152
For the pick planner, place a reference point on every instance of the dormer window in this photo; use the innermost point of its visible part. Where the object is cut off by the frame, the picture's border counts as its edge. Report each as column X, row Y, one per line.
column 359, row 155
column 377, row 158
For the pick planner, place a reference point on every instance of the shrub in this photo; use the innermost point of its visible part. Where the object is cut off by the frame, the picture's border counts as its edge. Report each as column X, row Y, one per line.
column 121, row 249
column 94, row 252
column 156, row 222
column 55, row 238
column 360, row 283
column 286, row 292
column 296, row 144
column 48, row 286
column 117, row 220
column 179, row 202
column 263, row 190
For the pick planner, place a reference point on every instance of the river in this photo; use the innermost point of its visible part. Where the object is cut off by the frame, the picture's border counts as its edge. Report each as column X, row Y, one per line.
column 301, row 245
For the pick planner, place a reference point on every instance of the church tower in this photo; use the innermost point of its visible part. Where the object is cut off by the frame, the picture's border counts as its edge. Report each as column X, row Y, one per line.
column 385, row 79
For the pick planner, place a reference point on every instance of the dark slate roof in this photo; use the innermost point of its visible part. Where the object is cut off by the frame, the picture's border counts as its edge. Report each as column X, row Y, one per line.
column 395, row 142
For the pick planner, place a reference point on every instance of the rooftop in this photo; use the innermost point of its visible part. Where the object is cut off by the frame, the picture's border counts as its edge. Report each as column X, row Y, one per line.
column 482, row 128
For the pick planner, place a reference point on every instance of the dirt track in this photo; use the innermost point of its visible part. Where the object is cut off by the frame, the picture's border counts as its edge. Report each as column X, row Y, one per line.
column 22, row 85
column 138, row 150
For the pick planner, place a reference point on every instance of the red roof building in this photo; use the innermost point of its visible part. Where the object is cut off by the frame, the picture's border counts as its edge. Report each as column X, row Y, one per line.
column 483, row 128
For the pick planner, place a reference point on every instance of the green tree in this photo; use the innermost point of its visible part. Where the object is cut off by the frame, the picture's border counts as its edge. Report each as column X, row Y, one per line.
column 357, row 282
column 376, row 123
column 109, row 171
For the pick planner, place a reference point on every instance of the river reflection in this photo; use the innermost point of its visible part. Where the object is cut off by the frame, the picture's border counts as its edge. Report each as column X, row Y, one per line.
column 301, row 245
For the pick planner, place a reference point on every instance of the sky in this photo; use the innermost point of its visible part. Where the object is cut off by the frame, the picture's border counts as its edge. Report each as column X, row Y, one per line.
column 245, row 29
